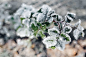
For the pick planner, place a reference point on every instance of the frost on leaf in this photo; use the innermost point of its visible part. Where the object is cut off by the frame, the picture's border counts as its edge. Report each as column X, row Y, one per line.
column 58, row 18
column 45, row 9
column 41, row 17
column 44, row 21
column 67, row 29
column 78, row 23
column 69, row 17
column 26, row 14
column 65, row 38
column 24, row 8
column 79, row 31
column 45, row 14
column 23, row 32
column 26, row 22
column 50, row 41
column 53, row 31
column 60, row 45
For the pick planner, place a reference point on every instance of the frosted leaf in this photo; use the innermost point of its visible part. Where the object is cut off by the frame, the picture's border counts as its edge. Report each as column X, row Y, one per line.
column 80, row 28
column 49, row 16
column 35, row 15
column 41, row 17
column 65, row 38
column 50, row 19
column 72, row 15
column 24, row 8
column 77, row 33
column 46, row 14
column 67, row 29
column 69, row 17
column 60, row 45
column 54, row 15
column 32, row 21
column 49, row 41
column 78, row 23
column 26, row 14
column 19, row 11
column 45, row 9
column 22, row 32
column 53, row 31
column 59, row 18
column 26, row 22
column 50, row 13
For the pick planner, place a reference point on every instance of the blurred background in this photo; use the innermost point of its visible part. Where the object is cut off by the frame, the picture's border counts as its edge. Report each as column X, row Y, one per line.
column 15, row 46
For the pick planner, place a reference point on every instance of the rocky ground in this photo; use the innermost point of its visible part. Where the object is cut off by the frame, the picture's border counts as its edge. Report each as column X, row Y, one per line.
column 17, row 47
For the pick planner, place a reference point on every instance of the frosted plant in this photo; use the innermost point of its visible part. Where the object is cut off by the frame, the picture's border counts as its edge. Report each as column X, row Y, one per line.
column 37, row 23
column 79, row 30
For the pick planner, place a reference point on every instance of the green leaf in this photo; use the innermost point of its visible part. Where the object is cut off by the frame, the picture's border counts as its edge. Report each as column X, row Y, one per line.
column 39, row 24
column 46, row 30
column 43, row 27
column 55, row 24
column 67, row 38
column 35, row 33
column 35, row 28
column 32, row 26
column 47, row 23
column 55, row 31
column 66, row 29
column 41, row 34
column 22, row 19
column 52, row 47
column 18, row 28
column 12, row 18
column 63, row 35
